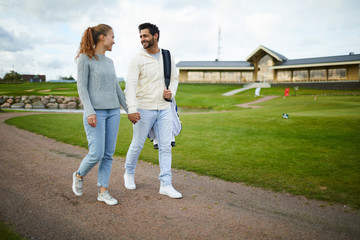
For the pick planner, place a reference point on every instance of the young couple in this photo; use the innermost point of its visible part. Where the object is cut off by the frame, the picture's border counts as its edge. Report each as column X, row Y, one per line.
column 145, row 104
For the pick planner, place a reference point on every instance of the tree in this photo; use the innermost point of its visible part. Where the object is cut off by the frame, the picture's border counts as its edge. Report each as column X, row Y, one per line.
column 12, row 76
column 67, row 78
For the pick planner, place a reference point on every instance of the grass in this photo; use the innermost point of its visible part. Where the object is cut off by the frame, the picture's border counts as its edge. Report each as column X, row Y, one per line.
column 314, row 153
column 7, row 233
column 41, row 89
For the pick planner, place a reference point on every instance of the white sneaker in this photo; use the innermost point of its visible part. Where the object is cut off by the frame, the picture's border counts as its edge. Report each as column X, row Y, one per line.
column 105, row 197
column 168, row 190
column 77, row 185
column 129, row 181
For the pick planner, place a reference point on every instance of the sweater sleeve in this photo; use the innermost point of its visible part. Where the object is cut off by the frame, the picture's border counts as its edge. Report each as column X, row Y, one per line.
column 174, row 82
column 121, row 97
column 131, row 86
column 83, row 84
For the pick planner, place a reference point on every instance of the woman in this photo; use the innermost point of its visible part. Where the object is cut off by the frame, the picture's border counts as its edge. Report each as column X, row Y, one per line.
column 101, row 96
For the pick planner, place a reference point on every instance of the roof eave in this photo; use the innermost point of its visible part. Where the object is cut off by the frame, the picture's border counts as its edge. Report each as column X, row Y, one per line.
column 265, row 50
column 215, row 68
column 315, row 65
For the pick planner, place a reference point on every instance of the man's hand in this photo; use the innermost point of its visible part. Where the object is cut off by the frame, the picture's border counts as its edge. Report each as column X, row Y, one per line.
column 92, row 120
column 167, row 94
column 134, row 117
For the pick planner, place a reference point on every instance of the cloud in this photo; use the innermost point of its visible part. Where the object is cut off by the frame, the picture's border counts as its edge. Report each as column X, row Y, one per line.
column 262, row 25
column 9, row 42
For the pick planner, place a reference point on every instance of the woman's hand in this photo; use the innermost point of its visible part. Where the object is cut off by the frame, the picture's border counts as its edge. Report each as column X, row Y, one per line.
column 92, row 120
column 134, row 117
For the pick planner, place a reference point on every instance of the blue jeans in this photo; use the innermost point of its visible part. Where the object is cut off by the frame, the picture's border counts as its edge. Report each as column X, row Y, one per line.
column 102, row 143
column 161, row 121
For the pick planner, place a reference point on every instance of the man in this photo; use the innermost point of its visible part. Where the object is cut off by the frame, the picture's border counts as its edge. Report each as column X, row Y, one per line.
column 146, row 94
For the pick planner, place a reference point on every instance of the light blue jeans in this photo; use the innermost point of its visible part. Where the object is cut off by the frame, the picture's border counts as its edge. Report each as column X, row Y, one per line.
column 102, row 143
column 161, row 121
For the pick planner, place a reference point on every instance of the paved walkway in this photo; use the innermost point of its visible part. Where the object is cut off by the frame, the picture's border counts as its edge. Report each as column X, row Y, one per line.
column 260, row 100
column 36, row 197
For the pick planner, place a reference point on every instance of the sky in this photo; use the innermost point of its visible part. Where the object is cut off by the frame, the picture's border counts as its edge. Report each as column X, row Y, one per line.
column 43, row 36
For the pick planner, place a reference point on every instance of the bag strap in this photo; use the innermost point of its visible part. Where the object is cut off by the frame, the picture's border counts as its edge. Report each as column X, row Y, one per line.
column 167, row 68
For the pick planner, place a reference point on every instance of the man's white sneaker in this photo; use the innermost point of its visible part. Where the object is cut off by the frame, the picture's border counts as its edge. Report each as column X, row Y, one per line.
column 129, row 181
column 168, row 190
column 77, row 185
column 105, row 197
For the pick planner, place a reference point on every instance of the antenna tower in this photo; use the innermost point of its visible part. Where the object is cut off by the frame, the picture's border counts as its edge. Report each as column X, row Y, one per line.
column 219, row 45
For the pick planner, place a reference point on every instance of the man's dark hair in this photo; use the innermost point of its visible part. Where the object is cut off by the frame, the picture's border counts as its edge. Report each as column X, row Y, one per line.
column 152, row 29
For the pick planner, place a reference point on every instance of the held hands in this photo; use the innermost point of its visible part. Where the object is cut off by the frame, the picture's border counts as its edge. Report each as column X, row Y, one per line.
column 134, row 117
column 92, row 120
column 167, row 94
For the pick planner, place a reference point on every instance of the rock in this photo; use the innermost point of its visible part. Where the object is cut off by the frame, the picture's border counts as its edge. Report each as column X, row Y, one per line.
column 62, row 106
column 45, row 101
column 33, row 97
column 2, row 101
column 10, row 100
column 38, row 105
column 28, row 106
column 52, row 100
column 47, row 97
column 6, row 105
column 71, row 105
column 18, row 105
column 24, row 98
column 81, row 106
column 27, row 101
column 52, row 105
column 60, row 100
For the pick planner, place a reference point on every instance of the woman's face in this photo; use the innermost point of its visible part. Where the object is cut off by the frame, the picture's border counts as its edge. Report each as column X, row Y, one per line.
column 109, row 40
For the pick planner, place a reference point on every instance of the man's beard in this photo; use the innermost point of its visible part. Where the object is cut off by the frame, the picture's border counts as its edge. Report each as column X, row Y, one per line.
column 150, row 44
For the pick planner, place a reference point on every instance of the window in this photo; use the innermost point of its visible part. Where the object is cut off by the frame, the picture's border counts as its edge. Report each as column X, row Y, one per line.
column 230, row 77
column 246, row 76
column 300, row 75
column 318, row 75
column 337, row 74
column 284, row 76
column 195, row 76
column 212, row 76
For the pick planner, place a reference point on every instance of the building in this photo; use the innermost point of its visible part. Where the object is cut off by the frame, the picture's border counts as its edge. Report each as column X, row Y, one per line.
column 266, row 65
column 33, row 78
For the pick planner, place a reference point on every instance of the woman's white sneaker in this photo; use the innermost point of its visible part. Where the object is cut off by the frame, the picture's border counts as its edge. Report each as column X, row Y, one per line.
column 77, row 185
column 168, row 190
column 105, row 197
column 129, row 181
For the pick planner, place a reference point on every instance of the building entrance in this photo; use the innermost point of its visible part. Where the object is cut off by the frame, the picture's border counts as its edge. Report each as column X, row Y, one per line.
column 265, row 74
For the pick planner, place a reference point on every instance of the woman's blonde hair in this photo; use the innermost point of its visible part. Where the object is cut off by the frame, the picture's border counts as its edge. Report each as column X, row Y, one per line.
column 90, row 39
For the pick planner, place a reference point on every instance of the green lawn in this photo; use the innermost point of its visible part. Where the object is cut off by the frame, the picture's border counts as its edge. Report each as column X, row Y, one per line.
column 7, row 233
column 314, row 153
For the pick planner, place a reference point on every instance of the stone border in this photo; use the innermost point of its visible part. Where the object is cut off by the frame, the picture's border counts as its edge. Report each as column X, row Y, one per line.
column 40, row 102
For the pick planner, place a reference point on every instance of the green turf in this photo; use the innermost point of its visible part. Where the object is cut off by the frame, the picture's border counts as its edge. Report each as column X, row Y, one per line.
column 7, row 233
column 314, row 153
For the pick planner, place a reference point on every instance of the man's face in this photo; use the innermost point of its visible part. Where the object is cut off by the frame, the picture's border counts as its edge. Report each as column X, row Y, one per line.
column 147, row 40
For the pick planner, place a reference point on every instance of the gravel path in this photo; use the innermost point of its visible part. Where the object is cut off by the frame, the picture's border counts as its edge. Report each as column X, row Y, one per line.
column 36, row 197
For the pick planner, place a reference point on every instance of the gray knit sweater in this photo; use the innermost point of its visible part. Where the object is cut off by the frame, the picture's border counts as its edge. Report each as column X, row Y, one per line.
column 97, row 84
